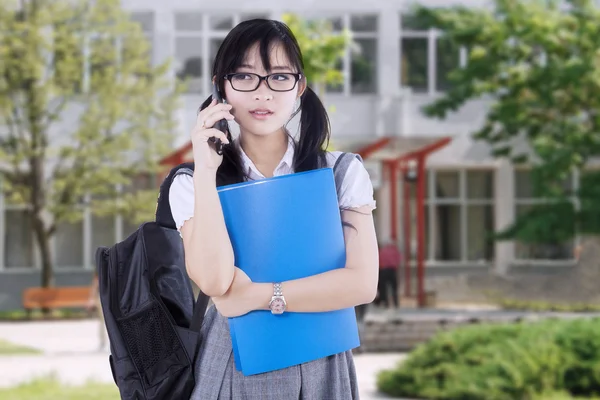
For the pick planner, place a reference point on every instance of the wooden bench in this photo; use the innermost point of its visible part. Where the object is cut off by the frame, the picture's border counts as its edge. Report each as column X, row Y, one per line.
column 55, row 297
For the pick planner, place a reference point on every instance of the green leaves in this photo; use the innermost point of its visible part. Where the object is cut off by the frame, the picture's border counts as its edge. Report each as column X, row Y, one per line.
column 538, row 62
column 322, row 48
column 82, row 107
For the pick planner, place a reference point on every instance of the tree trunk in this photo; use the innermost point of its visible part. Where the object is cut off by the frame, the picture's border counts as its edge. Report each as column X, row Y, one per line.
column 43, row 241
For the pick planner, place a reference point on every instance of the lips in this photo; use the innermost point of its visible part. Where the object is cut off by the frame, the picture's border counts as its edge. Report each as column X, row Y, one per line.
column 261, row 113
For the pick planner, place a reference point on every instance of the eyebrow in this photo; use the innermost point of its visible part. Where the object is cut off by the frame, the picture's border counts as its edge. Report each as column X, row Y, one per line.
column 273, row 68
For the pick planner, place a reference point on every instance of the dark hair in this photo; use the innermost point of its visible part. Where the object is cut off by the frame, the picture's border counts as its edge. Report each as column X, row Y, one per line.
column 314, row 123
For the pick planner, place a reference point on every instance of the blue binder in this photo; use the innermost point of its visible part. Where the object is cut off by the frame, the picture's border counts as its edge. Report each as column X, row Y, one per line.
column 285, row 228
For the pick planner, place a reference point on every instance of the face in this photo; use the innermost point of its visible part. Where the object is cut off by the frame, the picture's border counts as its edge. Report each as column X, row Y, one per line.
column 263, row 111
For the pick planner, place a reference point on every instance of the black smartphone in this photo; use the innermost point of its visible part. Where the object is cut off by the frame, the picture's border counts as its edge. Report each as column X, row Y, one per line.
column 220, row 125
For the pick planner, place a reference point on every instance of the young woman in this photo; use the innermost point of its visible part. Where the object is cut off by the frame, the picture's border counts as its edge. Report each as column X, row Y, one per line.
column 259, row 72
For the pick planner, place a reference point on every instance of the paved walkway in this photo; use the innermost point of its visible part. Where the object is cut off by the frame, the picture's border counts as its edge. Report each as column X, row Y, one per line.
column 71, row 354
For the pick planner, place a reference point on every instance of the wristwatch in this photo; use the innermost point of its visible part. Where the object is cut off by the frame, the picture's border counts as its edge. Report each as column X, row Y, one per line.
column 277, row 303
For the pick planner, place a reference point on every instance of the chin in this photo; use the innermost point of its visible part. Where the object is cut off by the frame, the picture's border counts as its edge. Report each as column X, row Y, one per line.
column 263, row 129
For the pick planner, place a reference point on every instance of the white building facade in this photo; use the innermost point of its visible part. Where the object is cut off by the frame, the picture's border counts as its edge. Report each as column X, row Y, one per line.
column 400, row 69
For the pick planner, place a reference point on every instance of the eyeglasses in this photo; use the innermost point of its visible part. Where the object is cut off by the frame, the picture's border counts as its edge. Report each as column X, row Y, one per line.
column 249, row 82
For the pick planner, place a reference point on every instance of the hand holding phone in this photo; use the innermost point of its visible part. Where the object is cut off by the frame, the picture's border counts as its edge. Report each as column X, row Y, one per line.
column 220, row 125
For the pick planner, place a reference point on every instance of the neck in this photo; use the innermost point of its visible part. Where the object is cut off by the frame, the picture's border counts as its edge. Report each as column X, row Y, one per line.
column 265, row 151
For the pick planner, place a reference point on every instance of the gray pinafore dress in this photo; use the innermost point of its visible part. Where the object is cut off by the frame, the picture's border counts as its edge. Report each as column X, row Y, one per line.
column 330, row 378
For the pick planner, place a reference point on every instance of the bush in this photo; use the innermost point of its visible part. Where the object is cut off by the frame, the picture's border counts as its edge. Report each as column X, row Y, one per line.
column 502, row 361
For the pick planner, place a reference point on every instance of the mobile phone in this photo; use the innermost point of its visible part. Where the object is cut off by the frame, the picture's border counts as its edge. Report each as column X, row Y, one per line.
column 221, row 124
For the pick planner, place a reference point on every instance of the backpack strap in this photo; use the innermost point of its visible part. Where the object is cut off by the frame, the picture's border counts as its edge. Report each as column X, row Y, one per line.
column 163, row 210
column 164, row 217
column 341, row 167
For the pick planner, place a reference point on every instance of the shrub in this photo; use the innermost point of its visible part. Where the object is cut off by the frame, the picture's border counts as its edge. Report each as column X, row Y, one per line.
column 502, row 361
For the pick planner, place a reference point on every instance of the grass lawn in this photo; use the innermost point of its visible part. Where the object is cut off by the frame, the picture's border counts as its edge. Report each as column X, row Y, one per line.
column 9, row 349
column 50, row 389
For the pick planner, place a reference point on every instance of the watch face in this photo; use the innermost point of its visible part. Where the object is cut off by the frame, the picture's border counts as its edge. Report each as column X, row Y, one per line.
column 277, row 306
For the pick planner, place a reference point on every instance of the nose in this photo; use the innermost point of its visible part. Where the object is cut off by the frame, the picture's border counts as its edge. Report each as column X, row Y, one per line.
column 263, row 92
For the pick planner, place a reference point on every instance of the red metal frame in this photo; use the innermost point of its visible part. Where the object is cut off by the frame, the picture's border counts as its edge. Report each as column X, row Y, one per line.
column 407, row 230
column 420, row 157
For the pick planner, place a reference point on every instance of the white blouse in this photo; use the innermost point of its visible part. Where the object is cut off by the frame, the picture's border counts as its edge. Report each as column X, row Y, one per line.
column 356, row 190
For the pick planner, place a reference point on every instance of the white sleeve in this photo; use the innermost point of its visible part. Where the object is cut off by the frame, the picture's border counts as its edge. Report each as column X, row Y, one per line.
column 357, row 189
column 181, row 199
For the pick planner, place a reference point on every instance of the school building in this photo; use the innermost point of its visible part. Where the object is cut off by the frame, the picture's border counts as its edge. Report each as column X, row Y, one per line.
column 400, row 68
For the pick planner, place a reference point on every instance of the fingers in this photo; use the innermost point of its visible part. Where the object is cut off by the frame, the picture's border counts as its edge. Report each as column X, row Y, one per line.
column 211, row 119
column 208, row 133
column 212, row 108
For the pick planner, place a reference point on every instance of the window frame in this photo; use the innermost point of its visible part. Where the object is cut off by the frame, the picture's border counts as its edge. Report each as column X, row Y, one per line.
column 431, row 35
column 463, row 202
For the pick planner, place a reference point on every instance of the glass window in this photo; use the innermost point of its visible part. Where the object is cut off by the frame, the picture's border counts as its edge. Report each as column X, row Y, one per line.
column 68, row 244
column 364, row 67
column 447, row 184
column 221, row 22
column 447, row 232
column 480, row 227
column 413, row 63
column 409, row 22
column 363, row 23
column 188, row 62
column 523, row 184
column 447, row 59
column 145, row 19
column 480, row 185
column 188, row 21
column 18, row 239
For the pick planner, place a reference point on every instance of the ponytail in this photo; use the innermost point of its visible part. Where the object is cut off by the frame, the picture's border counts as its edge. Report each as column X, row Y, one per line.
column 314, row 133
column 230, row 171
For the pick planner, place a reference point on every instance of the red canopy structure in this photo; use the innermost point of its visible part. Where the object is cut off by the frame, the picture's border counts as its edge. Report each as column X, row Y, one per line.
column 403, row 157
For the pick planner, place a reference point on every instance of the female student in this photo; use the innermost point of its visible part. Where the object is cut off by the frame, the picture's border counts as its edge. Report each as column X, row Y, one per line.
column 259, row 72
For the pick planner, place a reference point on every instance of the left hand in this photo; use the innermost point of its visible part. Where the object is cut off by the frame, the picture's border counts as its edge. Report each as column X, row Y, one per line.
column 239, row 299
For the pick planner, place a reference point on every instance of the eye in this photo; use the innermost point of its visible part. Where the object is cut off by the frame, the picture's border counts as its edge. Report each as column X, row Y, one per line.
column 242, row 77
column 281, row 77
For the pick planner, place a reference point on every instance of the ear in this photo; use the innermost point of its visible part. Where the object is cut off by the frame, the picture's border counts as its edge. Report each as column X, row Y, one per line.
column 301, row 86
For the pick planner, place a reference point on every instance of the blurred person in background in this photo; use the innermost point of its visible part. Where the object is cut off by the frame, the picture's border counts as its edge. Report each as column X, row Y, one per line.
column 390, row 259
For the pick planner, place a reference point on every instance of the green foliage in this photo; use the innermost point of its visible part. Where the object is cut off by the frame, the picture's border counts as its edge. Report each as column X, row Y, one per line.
column 538, row 62
column 322, row 49
column 52, row 389
column 10, row 349
column 82, row 110
column 502, row 361
column 543, row 306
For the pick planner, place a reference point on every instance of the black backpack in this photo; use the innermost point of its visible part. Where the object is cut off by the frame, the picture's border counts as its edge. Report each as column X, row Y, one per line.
column 151, row 315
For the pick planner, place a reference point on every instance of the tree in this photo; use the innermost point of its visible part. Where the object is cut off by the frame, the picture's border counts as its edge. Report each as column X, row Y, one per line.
column 82, row 112
column 322, row 50
column 537, row 60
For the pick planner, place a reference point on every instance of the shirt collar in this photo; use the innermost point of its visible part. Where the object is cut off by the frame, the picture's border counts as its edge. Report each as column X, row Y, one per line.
column 286, row 160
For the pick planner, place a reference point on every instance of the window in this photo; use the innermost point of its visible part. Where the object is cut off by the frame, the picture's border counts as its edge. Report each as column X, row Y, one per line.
column 145, row 19
column 359, row 63
column 426, row 57
column 524, row 200
column 68, row 245
column 363, row 67
column 460, row 215
column 81, row 61
column 18, row 239
column 197, row 40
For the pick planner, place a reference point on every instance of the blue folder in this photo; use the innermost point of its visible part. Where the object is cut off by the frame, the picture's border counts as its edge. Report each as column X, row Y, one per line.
column 285, row 228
